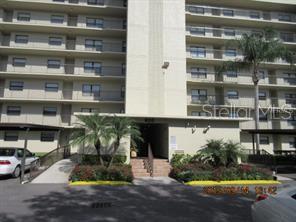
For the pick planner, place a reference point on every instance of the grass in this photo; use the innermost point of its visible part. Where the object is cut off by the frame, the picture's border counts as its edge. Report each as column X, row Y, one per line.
column 231, row 182
column 99, row 183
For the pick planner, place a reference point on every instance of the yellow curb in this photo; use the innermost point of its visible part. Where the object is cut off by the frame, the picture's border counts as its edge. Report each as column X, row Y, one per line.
column 231, row 182
column 99, row 182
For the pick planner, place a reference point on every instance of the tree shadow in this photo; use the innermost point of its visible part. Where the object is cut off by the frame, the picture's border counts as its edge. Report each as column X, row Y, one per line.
column 133, row 203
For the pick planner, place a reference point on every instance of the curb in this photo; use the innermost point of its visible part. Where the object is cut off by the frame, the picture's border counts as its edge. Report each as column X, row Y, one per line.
column 231, row 182
column 100, row 183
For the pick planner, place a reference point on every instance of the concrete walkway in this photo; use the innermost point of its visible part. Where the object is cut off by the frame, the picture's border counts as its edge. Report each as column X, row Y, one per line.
column 147, row 181
column 57, row 173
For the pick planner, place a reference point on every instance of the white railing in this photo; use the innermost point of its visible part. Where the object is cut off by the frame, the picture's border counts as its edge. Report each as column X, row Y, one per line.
column 71, row 45
column 69, row 69
column 27, row 94
column 238, row 13
column 236, row 33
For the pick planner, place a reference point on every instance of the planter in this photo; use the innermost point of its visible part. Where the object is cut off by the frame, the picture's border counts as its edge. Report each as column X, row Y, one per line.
column 133, row 154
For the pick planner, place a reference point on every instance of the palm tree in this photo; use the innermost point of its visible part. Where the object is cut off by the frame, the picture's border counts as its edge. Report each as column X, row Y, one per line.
column 213, row 153
column 92, row 130
column 232, row 152
column 121, row 127
column 257, row 49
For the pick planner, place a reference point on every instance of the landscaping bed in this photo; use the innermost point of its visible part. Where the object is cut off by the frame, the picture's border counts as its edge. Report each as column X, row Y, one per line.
column 217, row 164
column 94, row 173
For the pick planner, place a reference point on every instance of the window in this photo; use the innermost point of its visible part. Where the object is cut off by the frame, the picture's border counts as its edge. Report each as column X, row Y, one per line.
column 230, row 52
column 290, row 78
column 264, row 140
column 11, row 136
column 197, row 72
column 47, row 136
column 55, row 41
column 89, row 110
column 95, row 2
column 123, row 68
column 287, row 36
column 290, row 99
column 292, row 120
column 16, row 85
column 123, row 49
column 53, row 64
column 23, row 16
column 21, row 39
column 93, row 67
column 292, row 144
column 94, row 22
column 229, row 32
column 93, row 44
column 196, row 10
column 228, row 12
column 197, row 30
column 124, row 24
column 262, row 95
column 49, row 111
column 90, row 90
column 231, row 74
column 57, row 19
column 257, row 33
column 198, row 95
column 122, row 91
column 58, row 0
column 19, row 62
column 255, row 15
column 285, row 17
column 199, row 113
column 13, row 110
column 262, row 74
column 51, row 87
column 263, row 116
column 199, row 52
column 232, row 94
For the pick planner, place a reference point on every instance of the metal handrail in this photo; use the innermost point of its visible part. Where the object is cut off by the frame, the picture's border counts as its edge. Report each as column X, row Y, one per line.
column 150, row 160
column 40, row 165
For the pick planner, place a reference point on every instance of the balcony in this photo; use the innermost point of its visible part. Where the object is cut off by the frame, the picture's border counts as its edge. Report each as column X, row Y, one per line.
column 219, row 36
column 65, row 71
column 240, row 101
column 110, row 27
column 58, row 120
column 239, row 17
column 106, row 7
column 211, row 56
column 111, row 50
column 63, row 96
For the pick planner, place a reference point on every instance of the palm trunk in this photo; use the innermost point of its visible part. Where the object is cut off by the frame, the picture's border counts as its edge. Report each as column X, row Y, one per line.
column 98, row 148
column 256, row 110
column 116, row 146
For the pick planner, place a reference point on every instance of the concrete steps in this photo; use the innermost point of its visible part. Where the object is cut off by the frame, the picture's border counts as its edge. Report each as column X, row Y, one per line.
column 162, row 168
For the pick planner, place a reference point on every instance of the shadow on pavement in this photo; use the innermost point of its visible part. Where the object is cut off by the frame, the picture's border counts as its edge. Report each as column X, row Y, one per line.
column 131, row 203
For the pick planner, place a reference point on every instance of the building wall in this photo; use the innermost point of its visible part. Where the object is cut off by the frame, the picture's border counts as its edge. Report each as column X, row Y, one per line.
column 191, row 141
column 152, row 90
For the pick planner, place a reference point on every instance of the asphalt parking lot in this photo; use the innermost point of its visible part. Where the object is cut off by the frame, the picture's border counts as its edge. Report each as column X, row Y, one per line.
column 61, row 202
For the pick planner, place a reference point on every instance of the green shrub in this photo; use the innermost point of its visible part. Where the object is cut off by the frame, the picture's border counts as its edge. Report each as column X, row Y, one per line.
column 94, row 159
column 118, row 172
column 198, row 171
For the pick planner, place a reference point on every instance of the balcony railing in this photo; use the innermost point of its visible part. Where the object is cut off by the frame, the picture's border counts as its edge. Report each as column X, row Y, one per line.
column 71, row 45
column 219, row 54
column 238, row 13
column 117, row 3
column 65, row 94
column 70, row 69
column 244, row 101
column 73, row 22
column 229, row 33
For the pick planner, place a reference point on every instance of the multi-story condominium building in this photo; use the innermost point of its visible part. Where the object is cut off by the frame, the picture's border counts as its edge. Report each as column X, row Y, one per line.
column 154, row 61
